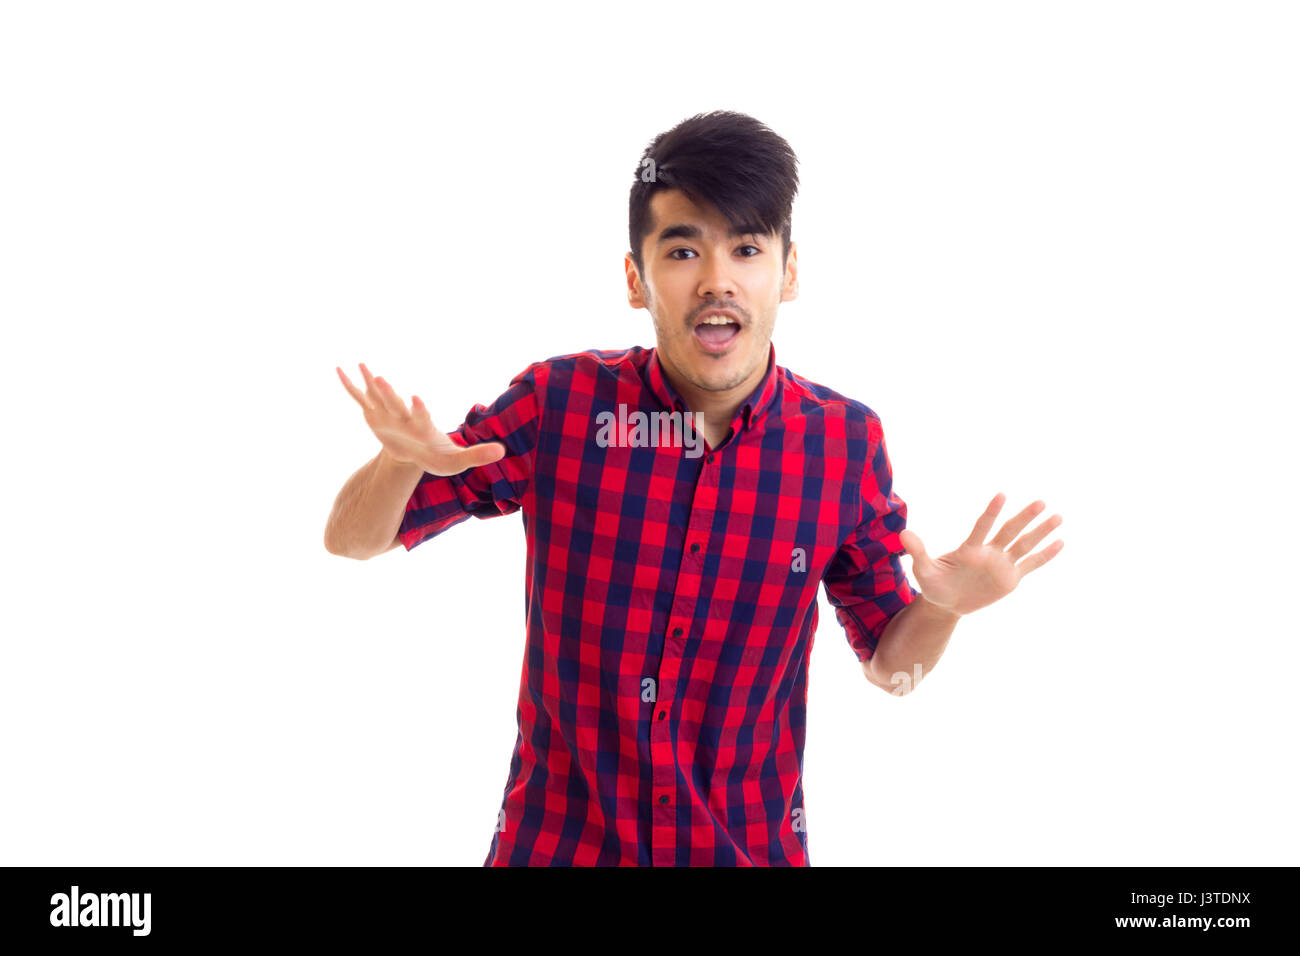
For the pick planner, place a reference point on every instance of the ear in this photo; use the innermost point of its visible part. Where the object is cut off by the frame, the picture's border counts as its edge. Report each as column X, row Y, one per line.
column 790, row 286
column 635, row 292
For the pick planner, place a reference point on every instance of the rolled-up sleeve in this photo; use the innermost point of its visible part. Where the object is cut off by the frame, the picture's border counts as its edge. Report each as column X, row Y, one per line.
column 865, row 581
column 440, row 502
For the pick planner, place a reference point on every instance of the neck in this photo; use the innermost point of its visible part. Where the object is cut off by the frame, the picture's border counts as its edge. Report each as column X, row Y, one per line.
column 714, row 410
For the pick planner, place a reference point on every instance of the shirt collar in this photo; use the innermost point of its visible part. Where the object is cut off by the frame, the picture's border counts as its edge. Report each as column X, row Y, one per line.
column 750, row 412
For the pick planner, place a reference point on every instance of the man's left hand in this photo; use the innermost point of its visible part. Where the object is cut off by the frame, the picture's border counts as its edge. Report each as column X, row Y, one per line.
column 977, row 574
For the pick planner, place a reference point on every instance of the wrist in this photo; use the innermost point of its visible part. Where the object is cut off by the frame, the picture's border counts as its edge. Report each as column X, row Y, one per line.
column 938, row 610
column 390, row 463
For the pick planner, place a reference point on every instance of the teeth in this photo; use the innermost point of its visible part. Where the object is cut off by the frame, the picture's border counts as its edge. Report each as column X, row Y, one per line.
column 718, row 320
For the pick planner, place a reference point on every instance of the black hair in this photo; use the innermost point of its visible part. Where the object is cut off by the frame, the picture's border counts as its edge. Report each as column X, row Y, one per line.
column 728, row 159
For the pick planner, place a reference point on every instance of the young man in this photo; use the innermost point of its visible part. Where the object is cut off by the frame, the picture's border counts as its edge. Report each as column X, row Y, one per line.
column 681, row 506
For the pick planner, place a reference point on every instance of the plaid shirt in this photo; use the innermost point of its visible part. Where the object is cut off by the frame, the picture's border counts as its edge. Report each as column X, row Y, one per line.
column 671, row 604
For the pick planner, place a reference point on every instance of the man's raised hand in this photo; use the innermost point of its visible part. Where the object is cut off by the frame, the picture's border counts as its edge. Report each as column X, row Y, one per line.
column 977, row 574
column 409, row 435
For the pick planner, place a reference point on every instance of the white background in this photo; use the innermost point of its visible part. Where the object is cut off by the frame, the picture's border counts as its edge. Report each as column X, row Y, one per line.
column 1053, row 245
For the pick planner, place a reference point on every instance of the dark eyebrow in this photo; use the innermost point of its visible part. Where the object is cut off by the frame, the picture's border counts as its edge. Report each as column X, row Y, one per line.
column 684, row 230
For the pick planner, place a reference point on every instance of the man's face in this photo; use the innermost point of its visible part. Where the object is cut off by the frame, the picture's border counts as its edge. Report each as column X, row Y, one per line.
column 694, row 266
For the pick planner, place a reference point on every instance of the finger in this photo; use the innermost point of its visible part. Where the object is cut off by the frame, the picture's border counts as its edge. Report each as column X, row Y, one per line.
column 1040, row 558
column 1027, row 542
column 911, row 542
column 1016, row 525
column 372, row 390
column 352, row 389
column 420, row 412
column 985, row 523
column 392, row 401
column 475, row 456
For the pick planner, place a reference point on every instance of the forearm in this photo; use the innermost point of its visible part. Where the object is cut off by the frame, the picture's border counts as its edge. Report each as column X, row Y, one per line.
column 916, row 635
column 370, row 506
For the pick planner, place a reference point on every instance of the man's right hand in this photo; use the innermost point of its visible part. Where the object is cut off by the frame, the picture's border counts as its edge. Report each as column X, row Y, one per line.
column 409, row 436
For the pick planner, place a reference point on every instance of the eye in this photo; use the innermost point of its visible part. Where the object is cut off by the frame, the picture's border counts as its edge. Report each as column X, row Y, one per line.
column 673, row 254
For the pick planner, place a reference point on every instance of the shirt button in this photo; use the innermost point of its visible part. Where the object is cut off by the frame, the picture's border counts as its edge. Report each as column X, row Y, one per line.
column 677, row 632
column 661, row 715
column 663, row 799
column 708, row 458
column 695, row 547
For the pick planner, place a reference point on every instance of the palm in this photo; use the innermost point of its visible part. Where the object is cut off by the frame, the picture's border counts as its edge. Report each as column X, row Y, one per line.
column 410, row 439
column 979, row 573
column 409, row 435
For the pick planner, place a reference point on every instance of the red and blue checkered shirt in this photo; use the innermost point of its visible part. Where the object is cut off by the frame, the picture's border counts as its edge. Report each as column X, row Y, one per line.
column 671, row 604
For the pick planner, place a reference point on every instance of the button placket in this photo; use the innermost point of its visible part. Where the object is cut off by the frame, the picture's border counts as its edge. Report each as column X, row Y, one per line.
column 686, row 599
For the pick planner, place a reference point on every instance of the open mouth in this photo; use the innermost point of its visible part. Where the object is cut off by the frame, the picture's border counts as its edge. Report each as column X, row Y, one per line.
column 716, row 333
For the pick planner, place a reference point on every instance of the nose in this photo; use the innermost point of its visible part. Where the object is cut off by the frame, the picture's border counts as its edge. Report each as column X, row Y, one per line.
column 716, row 280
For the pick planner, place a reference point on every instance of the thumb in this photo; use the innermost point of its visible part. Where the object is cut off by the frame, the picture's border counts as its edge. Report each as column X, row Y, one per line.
column 912, row 544
column 483, row 453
